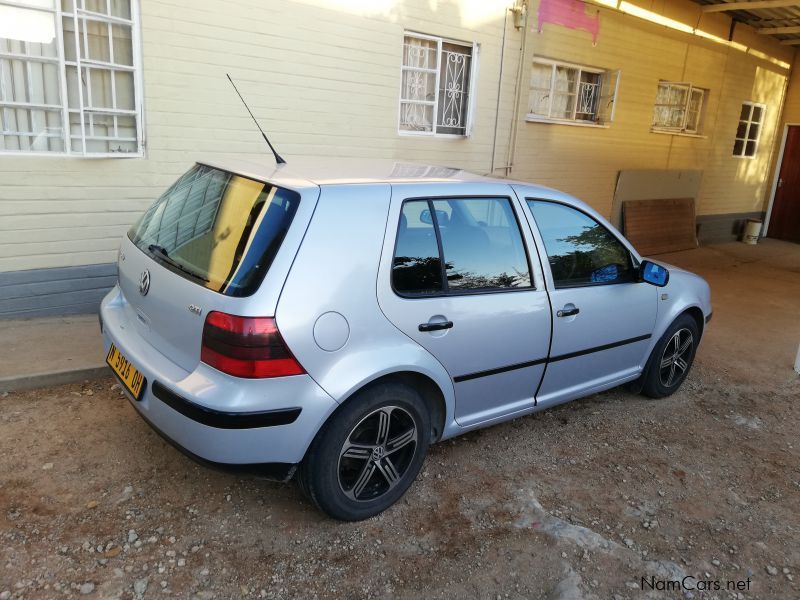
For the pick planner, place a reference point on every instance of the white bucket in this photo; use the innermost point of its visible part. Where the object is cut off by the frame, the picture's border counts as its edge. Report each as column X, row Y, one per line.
column 752, row 230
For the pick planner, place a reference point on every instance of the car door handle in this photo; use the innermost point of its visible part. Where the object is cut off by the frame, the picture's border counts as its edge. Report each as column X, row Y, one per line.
column 568, row 312
column 435, row 326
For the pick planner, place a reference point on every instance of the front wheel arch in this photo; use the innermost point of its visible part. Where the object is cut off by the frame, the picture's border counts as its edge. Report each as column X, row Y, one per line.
column 649, row 382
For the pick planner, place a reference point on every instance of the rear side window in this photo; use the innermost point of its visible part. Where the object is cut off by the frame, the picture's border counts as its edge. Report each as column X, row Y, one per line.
column 217, row 229
column 580, row 250
column 459, row 245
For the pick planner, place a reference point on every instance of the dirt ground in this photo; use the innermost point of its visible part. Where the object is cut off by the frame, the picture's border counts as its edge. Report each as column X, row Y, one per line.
column 582, row 501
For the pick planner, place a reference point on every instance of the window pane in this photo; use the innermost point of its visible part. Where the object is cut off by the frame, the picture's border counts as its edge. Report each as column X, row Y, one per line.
column 565, row 92
column 28, row 26
column 454, row 73
column 419, row 53
column 418, row 85
column 416, row 117
column 750, row 149
column 121, row 8
column 579, row 249
column 757, row 111
column 416, row 268
column 745, row 115
column 741, row 131
column 69, row 38
column 123, row 81
column 97, row 6
column 95, row 45
column 224, row 228
column 478, row 255
column 588, row 95
column 122, row 46
column 738, row 148
column 693, row 111
column 753, row 133
column 541, row 79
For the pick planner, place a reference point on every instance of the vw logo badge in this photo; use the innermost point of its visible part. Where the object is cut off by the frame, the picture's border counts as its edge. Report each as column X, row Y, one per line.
column 144, row 282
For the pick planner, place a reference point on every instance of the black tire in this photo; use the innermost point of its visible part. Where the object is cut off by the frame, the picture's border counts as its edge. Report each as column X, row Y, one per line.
column 672, row 358
column 364, row 458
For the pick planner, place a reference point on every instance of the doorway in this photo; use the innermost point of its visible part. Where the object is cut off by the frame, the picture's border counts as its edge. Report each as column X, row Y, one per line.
column 784, row 223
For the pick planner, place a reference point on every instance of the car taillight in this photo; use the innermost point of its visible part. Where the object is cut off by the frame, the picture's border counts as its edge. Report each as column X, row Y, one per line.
column 249, row 347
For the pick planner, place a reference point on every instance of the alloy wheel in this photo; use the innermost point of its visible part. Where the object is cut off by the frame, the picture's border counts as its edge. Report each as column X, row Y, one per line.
column 377, row 453
column 676, row 356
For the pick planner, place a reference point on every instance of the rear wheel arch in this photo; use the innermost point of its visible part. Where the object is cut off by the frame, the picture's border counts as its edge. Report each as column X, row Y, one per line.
column 429, row 390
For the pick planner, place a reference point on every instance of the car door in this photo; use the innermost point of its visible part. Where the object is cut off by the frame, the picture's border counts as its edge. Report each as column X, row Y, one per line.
column 603, row 315
column 456, row 277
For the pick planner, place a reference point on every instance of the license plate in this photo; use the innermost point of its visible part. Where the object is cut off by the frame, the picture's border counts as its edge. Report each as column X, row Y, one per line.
column 130, row 377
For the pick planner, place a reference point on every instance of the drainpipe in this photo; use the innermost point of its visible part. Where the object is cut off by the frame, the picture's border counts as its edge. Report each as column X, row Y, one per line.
column 512, row 138
column 499, row 88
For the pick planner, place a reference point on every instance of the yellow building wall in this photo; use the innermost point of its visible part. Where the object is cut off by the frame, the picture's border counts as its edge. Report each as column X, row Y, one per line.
column 585, row 161
column 323, row 78
column 791, row 111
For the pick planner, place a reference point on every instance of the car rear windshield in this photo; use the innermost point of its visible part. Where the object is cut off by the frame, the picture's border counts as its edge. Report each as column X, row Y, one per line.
column 217, row 229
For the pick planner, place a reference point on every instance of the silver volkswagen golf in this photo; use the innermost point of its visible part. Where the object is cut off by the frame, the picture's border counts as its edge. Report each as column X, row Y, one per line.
column 330, row 321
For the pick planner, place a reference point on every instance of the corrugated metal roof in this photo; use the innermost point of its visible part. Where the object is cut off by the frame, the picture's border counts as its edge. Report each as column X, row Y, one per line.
column 760, row 18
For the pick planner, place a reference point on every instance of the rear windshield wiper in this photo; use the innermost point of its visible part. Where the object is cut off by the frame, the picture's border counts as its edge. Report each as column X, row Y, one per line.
column 163, row 255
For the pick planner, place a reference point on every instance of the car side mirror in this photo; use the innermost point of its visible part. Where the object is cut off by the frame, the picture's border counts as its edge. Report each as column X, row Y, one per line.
column 653, row 273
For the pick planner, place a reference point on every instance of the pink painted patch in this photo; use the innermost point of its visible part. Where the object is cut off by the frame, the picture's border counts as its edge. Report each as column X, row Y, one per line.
column 569, row 13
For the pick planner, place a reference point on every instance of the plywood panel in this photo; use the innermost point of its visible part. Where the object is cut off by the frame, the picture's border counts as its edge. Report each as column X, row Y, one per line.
column 653, row 184
column 660, row 226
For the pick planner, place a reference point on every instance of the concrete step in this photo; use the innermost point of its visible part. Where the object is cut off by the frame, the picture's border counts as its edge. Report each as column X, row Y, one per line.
column 50, row 351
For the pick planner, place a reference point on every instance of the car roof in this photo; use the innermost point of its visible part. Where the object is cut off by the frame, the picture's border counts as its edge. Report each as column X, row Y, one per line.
column 311, row 172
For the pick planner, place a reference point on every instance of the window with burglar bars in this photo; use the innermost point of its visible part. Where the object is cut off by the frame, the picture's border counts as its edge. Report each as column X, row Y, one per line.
column 563, row 92
column 749, row 131
column 69, row 77
column 679, row 108
column 435, row 89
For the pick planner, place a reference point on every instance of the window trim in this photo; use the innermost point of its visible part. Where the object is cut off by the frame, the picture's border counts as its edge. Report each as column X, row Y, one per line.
column 682, row 130
column 446, row 293
column 631, row 254
column 60, row 61
column 750, row 122
column 473, row 76
column 604, row 74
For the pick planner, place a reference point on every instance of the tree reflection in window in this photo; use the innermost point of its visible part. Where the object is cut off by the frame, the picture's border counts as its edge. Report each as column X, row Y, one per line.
column 480, row 240
column 579, row 249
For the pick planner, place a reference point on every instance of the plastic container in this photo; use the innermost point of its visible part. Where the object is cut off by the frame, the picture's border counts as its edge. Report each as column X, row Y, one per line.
column 752, row 230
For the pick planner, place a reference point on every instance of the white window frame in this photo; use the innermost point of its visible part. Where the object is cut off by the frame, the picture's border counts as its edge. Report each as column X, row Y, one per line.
column 750, row 122
column 606, row 75
column 86, row 114
column 473, row 89
column 684, row 126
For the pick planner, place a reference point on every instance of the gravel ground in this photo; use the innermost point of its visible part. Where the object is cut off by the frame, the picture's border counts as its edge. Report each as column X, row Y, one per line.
column 579, row 502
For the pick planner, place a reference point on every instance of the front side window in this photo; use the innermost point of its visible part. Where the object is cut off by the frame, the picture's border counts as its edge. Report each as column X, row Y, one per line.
column 678, row 108
column 69, row 77
column 749, row 130
column 459, row 246
column 580, row 250
column 565, row 92
column 217, row 229
column 436, row 85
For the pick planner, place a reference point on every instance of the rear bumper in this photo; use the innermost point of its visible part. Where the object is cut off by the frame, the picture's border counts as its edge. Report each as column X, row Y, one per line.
column 255, row 425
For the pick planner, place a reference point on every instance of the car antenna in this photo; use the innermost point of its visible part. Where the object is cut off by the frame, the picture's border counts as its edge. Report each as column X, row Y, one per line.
column 278, row 158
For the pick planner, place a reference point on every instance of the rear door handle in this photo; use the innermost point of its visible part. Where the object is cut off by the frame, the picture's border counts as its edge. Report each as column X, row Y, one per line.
column 568, row 312
column 435, row 326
